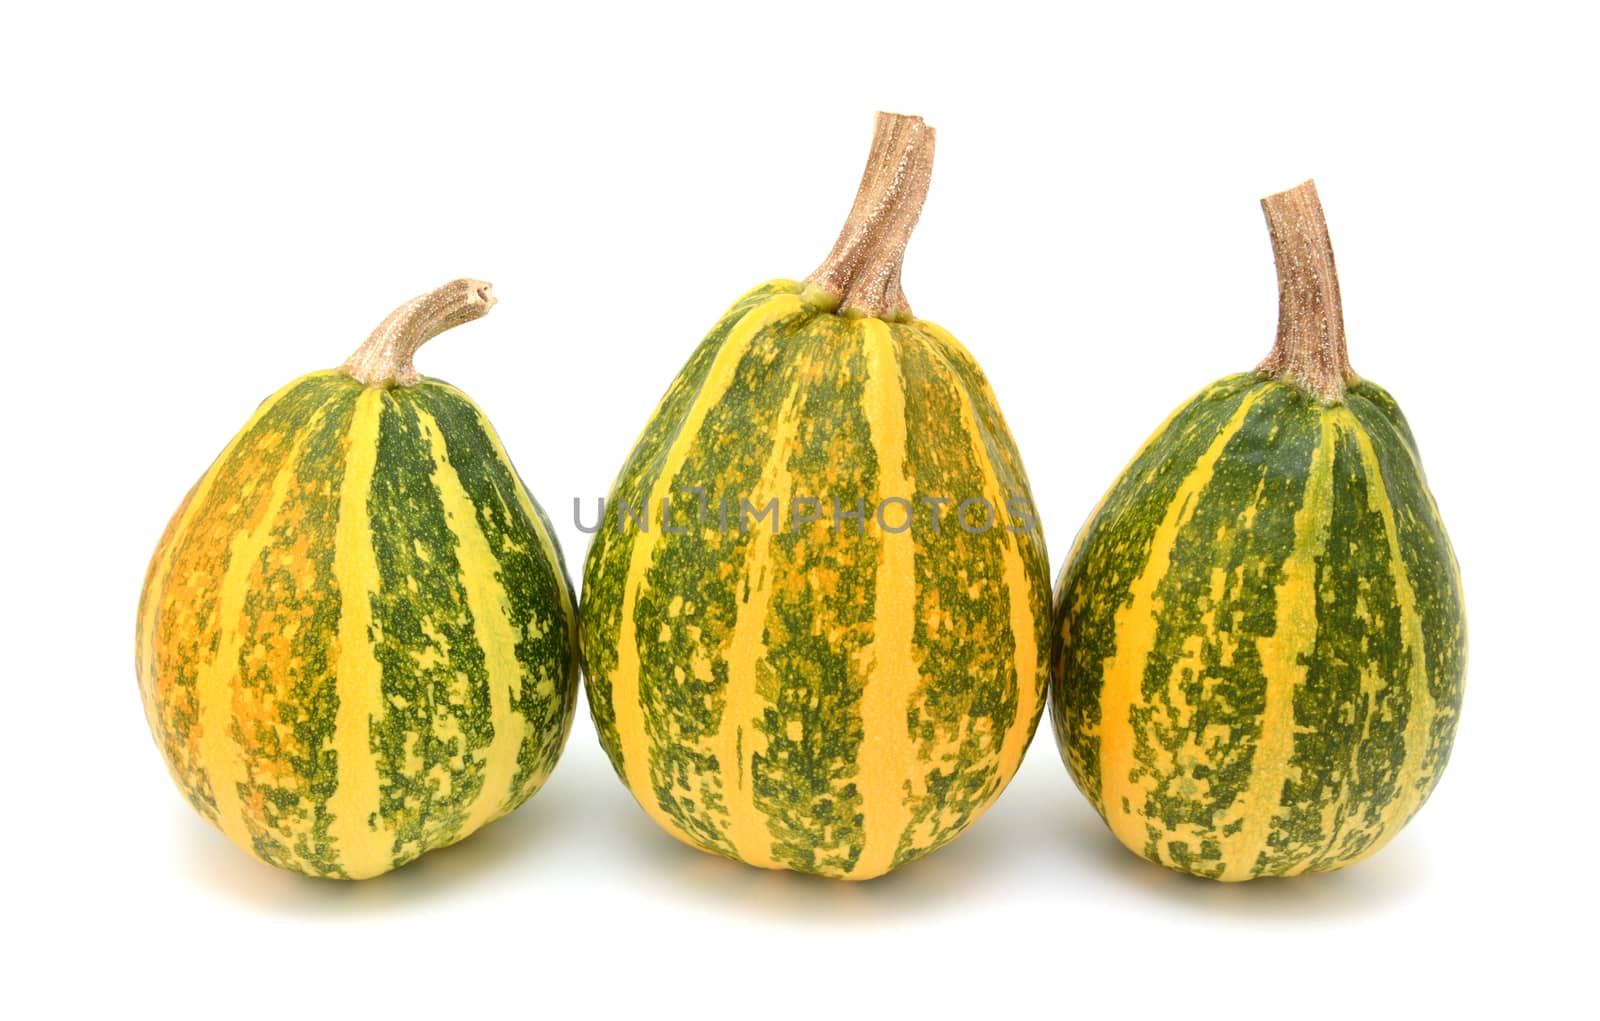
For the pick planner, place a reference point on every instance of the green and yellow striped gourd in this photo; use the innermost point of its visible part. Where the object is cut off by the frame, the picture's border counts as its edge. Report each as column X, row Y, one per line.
column 1260, row 644
column 802, row 659
column 356, row 640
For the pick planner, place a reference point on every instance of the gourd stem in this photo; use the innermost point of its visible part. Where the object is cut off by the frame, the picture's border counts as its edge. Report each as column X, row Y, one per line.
column 385, row 358
column 1310, row 349
column 863, row 270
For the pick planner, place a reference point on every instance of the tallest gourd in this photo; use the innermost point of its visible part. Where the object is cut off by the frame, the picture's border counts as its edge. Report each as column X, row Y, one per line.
column 816, row 610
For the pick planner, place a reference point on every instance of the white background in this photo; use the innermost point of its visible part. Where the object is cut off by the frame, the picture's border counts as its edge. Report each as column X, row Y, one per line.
column 202, row 202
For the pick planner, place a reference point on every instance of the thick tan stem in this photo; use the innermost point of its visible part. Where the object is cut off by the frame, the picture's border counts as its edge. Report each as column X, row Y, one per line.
column 385, row 358
column 1309, row 350
column 863, row 270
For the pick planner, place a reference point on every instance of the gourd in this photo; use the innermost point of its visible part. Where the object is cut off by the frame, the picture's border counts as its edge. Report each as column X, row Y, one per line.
column 356, row 638
column 1260, row 642
column 802, row 647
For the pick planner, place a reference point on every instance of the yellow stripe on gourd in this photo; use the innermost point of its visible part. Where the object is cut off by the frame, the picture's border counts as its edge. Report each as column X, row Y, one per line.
column 552, row 556
column 216, row 689
column 362, row 845
column 1134, row 634
column 496, row 633
column 737, row 740
column 1284, row 665
column 626, row 706
column 1061, row 617
column 885, row 773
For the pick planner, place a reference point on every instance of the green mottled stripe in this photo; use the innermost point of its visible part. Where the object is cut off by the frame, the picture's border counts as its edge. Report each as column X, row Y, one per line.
column 1109, row 557
column 286, row 654
column 813, row 674
column 682, row 710
column 1350, row 714
column 534, row 587
column 430, row 740
column 610, row 551
column 967, row 700
column 1429, row 564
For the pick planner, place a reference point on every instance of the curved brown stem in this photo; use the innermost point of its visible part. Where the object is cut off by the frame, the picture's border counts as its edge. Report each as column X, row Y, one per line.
column 385, row 358
column 1310, row 348
column 863, row 270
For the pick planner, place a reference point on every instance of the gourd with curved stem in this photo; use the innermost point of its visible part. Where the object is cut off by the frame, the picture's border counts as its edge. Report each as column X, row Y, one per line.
column 356, row 640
